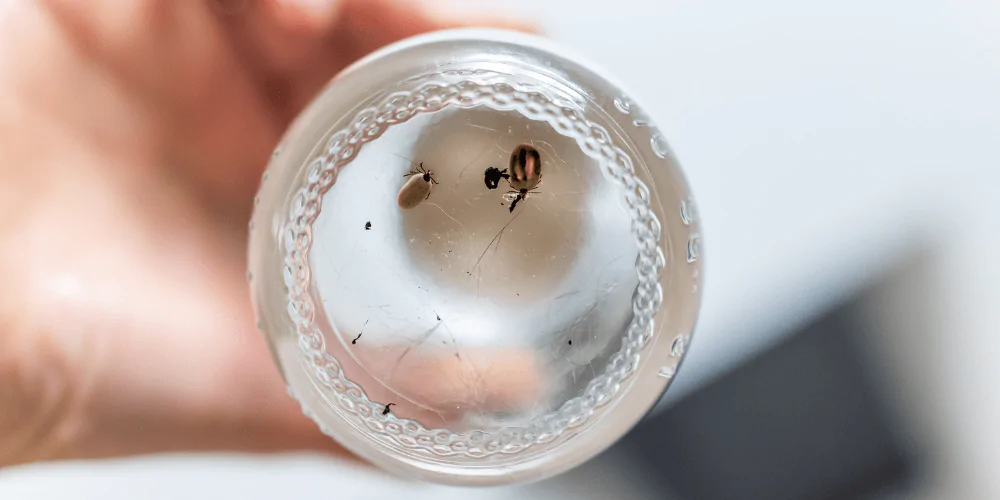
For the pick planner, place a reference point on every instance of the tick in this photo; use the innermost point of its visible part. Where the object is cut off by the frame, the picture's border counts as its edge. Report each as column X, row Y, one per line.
column 525, row 174
column 417, row 189
column 525, row 168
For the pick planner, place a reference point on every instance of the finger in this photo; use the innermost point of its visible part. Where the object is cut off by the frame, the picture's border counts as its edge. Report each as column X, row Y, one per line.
column 296, row 46
column 471, row 14
column 276, row 36
column 160, row 355
column 370, row 24
column 159, row 78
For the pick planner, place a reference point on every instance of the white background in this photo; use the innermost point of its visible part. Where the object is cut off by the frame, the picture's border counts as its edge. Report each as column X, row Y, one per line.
column 820, row 138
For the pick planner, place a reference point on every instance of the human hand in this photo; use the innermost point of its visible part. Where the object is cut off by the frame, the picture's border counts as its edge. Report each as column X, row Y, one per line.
column 132, row 136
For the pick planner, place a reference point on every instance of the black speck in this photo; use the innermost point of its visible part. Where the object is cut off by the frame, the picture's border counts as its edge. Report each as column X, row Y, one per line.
column 355, row 341
column 386, row 410
column 519, row 197
column 439, row 317
column 492, row 176
column 368, row 226
column 570, row 342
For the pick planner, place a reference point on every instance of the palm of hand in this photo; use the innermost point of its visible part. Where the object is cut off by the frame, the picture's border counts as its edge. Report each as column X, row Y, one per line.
column 128, row 159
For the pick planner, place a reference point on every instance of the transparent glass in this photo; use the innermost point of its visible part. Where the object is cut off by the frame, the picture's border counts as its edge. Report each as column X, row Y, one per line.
column 462, row 339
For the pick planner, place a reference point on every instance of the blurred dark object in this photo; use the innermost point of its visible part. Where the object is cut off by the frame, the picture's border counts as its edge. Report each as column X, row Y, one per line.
column 804, row 420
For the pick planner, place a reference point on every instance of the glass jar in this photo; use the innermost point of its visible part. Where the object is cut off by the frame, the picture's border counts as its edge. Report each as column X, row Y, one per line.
column 456, row 312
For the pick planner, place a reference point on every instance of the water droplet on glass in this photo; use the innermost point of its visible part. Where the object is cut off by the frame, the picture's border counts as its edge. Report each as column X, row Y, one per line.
column 263, row 177
column 623, row 105
column 686, row 215
column 276, row 153
column 249, row 276
column 640, row 123
column 693, row 248
column 678, row 346
column 660, row 146
column 250, row 226
column 666, row 372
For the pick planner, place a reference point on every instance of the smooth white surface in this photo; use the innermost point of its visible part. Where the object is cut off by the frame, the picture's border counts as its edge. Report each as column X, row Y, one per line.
column 818, row 137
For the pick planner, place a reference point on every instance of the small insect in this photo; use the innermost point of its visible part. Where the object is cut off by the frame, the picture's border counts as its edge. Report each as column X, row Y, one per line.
column 525, row 168
column 386, row 410
column 493, row 175
column 417, row 189
column 525, row 174
column 368, row 226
